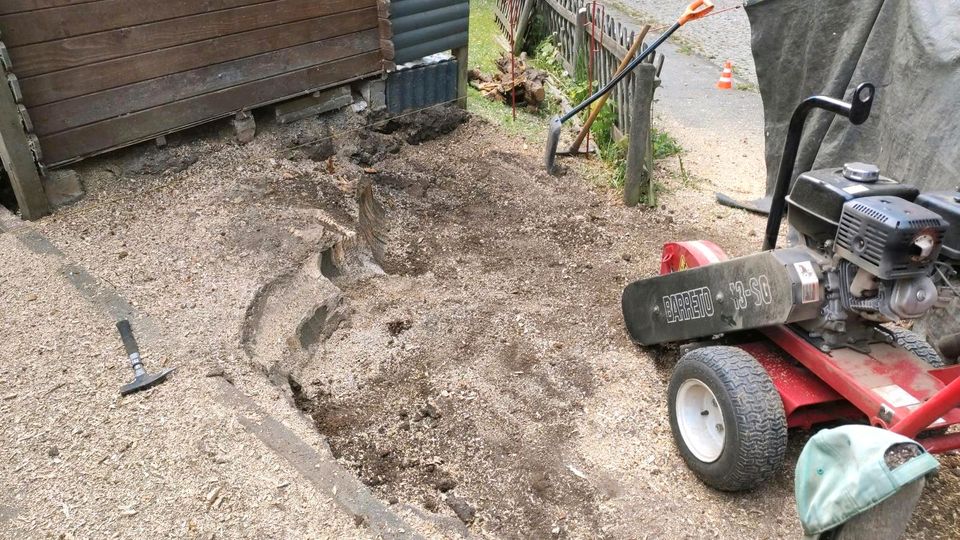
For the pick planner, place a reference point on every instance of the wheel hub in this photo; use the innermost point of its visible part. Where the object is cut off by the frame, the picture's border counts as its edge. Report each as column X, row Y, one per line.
column 700, row 420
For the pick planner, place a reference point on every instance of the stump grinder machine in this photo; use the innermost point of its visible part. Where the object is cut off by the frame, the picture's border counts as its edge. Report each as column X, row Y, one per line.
column 800, row 335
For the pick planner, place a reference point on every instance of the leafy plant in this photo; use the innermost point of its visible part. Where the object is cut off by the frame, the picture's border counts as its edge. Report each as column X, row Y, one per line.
column 547, row 57
column 537, row 32
column 664, row 145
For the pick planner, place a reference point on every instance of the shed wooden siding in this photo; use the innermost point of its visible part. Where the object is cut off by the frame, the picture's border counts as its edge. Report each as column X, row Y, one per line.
column 100, row 74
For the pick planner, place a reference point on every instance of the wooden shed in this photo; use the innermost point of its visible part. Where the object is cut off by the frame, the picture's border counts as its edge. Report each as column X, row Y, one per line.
column 88, row 76
column 96, row 75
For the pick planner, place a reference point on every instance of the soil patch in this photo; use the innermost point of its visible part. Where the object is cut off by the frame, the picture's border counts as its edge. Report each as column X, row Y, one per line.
column 466, row 375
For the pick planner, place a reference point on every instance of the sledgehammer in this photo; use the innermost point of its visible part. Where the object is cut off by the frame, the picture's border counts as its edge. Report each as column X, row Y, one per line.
column 141, row 379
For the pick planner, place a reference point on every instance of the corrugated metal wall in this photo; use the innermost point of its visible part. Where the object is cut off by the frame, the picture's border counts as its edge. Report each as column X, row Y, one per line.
column 422, row 86
column 425, row 27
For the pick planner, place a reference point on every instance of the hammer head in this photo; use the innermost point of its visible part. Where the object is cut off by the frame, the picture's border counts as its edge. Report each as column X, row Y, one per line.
column 145, row 381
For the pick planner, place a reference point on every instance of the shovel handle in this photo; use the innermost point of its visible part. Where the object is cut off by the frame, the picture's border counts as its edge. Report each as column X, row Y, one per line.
column 595, row 109
column 696, row 10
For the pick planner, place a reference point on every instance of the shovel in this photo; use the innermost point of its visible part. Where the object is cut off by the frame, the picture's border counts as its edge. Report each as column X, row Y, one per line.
column 595, row 110
column 696, row 10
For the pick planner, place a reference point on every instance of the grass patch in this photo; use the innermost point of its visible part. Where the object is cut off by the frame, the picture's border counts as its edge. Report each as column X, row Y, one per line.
column 532, row 126
column 484, row 52
column 484, row 49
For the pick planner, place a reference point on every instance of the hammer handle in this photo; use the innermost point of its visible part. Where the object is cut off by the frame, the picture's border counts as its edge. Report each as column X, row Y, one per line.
column 126, row 334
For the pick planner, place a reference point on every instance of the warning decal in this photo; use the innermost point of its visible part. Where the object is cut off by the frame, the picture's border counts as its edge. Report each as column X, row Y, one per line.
column 809, row 283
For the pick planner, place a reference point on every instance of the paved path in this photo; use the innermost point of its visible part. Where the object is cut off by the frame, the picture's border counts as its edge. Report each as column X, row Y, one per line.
column 720, row 37
column 721, row 130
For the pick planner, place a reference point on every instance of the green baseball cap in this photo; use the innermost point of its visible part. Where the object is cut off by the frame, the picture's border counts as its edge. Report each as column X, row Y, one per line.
column 842, row 472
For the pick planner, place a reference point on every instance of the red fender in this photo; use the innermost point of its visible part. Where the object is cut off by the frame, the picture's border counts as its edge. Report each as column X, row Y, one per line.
column 691, row 254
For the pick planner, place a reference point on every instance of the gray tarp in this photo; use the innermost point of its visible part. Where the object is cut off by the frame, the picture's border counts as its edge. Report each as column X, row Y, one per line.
column 909, row 49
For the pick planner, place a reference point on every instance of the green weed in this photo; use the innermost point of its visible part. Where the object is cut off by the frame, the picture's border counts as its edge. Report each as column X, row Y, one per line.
column 664, row 145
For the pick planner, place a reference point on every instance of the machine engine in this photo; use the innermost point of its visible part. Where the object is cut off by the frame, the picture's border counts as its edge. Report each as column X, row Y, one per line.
column 865, row 249
column 879, row 245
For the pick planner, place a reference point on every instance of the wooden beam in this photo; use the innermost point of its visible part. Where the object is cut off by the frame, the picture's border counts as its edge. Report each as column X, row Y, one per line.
column 462, row 54
column 579, row 39
column 74, row 20
column 17, row 158
column 562, row 11
column 50, row 56
column 315, row 104
column 16, row 6
column 91, row 78
column 387, row 48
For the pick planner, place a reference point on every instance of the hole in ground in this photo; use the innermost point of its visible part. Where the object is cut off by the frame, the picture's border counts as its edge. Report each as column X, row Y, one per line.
column 7, row 197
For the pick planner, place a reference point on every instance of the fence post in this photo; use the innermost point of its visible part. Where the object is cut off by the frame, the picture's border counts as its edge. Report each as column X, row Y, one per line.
column 17, row 157
column 462, row 54
column 640, row 104
column 651, row 185
column 522, row 22
column 579, row 38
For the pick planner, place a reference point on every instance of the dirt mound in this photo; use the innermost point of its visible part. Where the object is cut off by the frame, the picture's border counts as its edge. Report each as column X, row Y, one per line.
column 444, row 391
column 421, row 126
column 386, row 135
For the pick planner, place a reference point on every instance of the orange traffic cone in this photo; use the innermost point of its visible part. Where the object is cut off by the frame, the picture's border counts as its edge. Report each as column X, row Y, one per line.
column 726, row 78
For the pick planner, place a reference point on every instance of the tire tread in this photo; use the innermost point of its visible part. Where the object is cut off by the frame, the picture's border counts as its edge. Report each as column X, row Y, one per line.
column 758, row 409
column 912, row 342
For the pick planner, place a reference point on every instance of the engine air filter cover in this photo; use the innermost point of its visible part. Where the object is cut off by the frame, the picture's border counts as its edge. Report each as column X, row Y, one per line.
column 889, row 237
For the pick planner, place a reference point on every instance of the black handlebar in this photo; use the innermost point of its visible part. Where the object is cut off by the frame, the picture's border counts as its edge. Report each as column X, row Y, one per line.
column 857, row 111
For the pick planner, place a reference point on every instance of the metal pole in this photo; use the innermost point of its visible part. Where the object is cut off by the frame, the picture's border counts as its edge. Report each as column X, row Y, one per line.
column 513, row 62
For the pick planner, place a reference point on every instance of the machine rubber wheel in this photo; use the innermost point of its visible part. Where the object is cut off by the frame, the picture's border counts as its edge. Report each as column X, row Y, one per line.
column 912, row 342
column 727, row 418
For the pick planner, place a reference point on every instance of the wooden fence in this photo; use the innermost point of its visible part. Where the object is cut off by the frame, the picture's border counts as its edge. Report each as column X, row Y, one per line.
column 570, row 21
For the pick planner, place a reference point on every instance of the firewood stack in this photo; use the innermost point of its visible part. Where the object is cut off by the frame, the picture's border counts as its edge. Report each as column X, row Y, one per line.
column 498, row 86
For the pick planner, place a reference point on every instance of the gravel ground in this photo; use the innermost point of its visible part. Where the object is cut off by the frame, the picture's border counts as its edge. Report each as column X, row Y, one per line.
column 172, row 462
column 480, row 382
column 725, row 36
